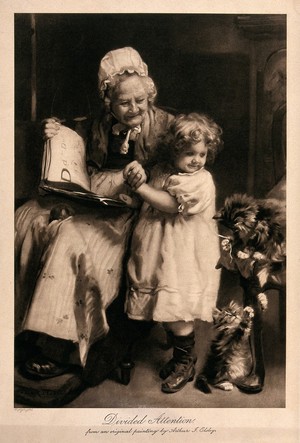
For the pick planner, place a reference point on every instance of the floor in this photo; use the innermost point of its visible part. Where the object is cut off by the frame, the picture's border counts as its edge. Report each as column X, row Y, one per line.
column 144, row 391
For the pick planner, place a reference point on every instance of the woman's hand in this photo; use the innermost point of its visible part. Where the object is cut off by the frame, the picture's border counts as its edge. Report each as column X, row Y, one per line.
column 135, row 175
column 50, row 127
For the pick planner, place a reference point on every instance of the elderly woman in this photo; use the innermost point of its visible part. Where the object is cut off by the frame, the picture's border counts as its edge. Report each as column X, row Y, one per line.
column 69, row 269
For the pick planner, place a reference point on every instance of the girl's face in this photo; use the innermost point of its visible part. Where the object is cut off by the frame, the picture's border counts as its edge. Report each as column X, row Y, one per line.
column 192, row 158
column 130, row 101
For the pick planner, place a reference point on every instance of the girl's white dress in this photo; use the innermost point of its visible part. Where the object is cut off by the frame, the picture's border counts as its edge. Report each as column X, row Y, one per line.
column 171, row 269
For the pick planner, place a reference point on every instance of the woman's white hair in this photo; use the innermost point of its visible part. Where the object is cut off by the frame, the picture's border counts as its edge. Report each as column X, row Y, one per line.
column 111, row 88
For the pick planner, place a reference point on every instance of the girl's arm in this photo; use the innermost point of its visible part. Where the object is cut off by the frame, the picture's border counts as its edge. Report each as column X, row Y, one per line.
column 157, row 198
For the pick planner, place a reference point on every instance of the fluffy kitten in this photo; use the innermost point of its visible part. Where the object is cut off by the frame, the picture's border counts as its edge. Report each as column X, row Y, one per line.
column 229, row 358
column 254, row 238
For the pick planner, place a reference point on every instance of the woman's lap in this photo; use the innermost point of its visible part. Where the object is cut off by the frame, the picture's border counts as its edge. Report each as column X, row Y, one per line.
column 69, row 271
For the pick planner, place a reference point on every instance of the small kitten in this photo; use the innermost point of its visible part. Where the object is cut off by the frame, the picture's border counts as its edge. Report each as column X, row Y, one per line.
column 229, row 358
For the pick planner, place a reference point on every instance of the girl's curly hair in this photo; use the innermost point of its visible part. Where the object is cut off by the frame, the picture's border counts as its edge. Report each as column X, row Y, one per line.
column 187, row 129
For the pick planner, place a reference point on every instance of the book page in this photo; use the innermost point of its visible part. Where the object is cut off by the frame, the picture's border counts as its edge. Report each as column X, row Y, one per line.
column 64, row 159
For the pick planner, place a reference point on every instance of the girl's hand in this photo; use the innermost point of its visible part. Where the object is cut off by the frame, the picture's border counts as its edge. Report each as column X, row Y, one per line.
column 135, row 175
column 50, row 127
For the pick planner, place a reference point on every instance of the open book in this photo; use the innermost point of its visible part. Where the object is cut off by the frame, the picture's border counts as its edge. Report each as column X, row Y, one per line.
column 64, row 171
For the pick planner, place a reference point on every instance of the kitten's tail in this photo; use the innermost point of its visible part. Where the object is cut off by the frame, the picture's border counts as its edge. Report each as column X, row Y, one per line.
column 202, row 384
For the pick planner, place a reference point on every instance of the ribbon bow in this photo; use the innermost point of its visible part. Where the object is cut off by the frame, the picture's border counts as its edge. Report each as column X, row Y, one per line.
column 132, row 134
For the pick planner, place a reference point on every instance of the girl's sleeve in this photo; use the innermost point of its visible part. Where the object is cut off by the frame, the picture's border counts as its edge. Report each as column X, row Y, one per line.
column 194, row 193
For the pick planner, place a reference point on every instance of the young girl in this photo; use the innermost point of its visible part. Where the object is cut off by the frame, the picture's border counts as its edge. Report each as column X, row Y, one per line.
column 175, row 247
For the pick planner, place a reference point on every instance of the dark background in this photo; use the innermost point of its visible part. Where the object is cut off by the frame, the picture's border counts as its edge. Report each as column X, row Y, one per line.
column 199, row 62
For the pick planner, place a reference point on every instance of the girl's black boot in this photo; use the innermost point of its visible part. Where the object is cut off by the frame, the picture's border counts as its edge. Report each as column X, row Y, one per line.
column 182, row 369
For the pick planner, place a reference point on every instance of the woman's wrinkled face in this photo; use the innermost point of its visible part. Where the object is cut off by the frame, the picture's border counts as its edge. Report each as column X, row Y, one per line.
column 192, row 158
column 129, row 102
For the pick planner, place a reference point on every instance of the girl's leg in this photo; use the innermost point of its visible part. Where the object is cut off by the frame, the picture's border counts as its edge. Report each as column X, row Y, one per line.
column 169, row 338
column 181, row 368
column 168, row 368
column 180, row 328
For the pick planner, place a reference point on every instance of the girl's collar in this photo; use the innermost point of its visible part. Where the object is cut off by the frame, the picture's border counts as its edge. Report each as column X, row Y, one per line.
column 190, row 173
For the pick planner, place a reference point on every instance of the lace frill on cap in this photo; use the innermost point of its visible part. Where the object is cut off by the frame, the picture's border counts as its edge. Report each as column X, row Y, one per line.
column 117, row 62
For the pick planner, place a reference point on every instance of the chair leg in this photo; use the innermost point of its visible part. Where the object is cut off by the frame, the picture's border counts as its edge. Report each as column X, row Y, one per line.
column 137, row 330
column 126, row 366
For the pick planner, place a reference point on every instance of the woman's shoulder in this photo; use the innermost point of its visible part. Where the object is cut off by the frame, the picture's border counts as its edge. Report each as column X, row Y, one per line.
column 161, row 115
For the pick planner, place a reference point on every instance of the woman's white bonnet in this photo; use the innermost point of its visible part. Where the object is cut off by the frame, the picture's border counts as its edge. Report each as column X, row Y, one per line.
column 119, row 61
